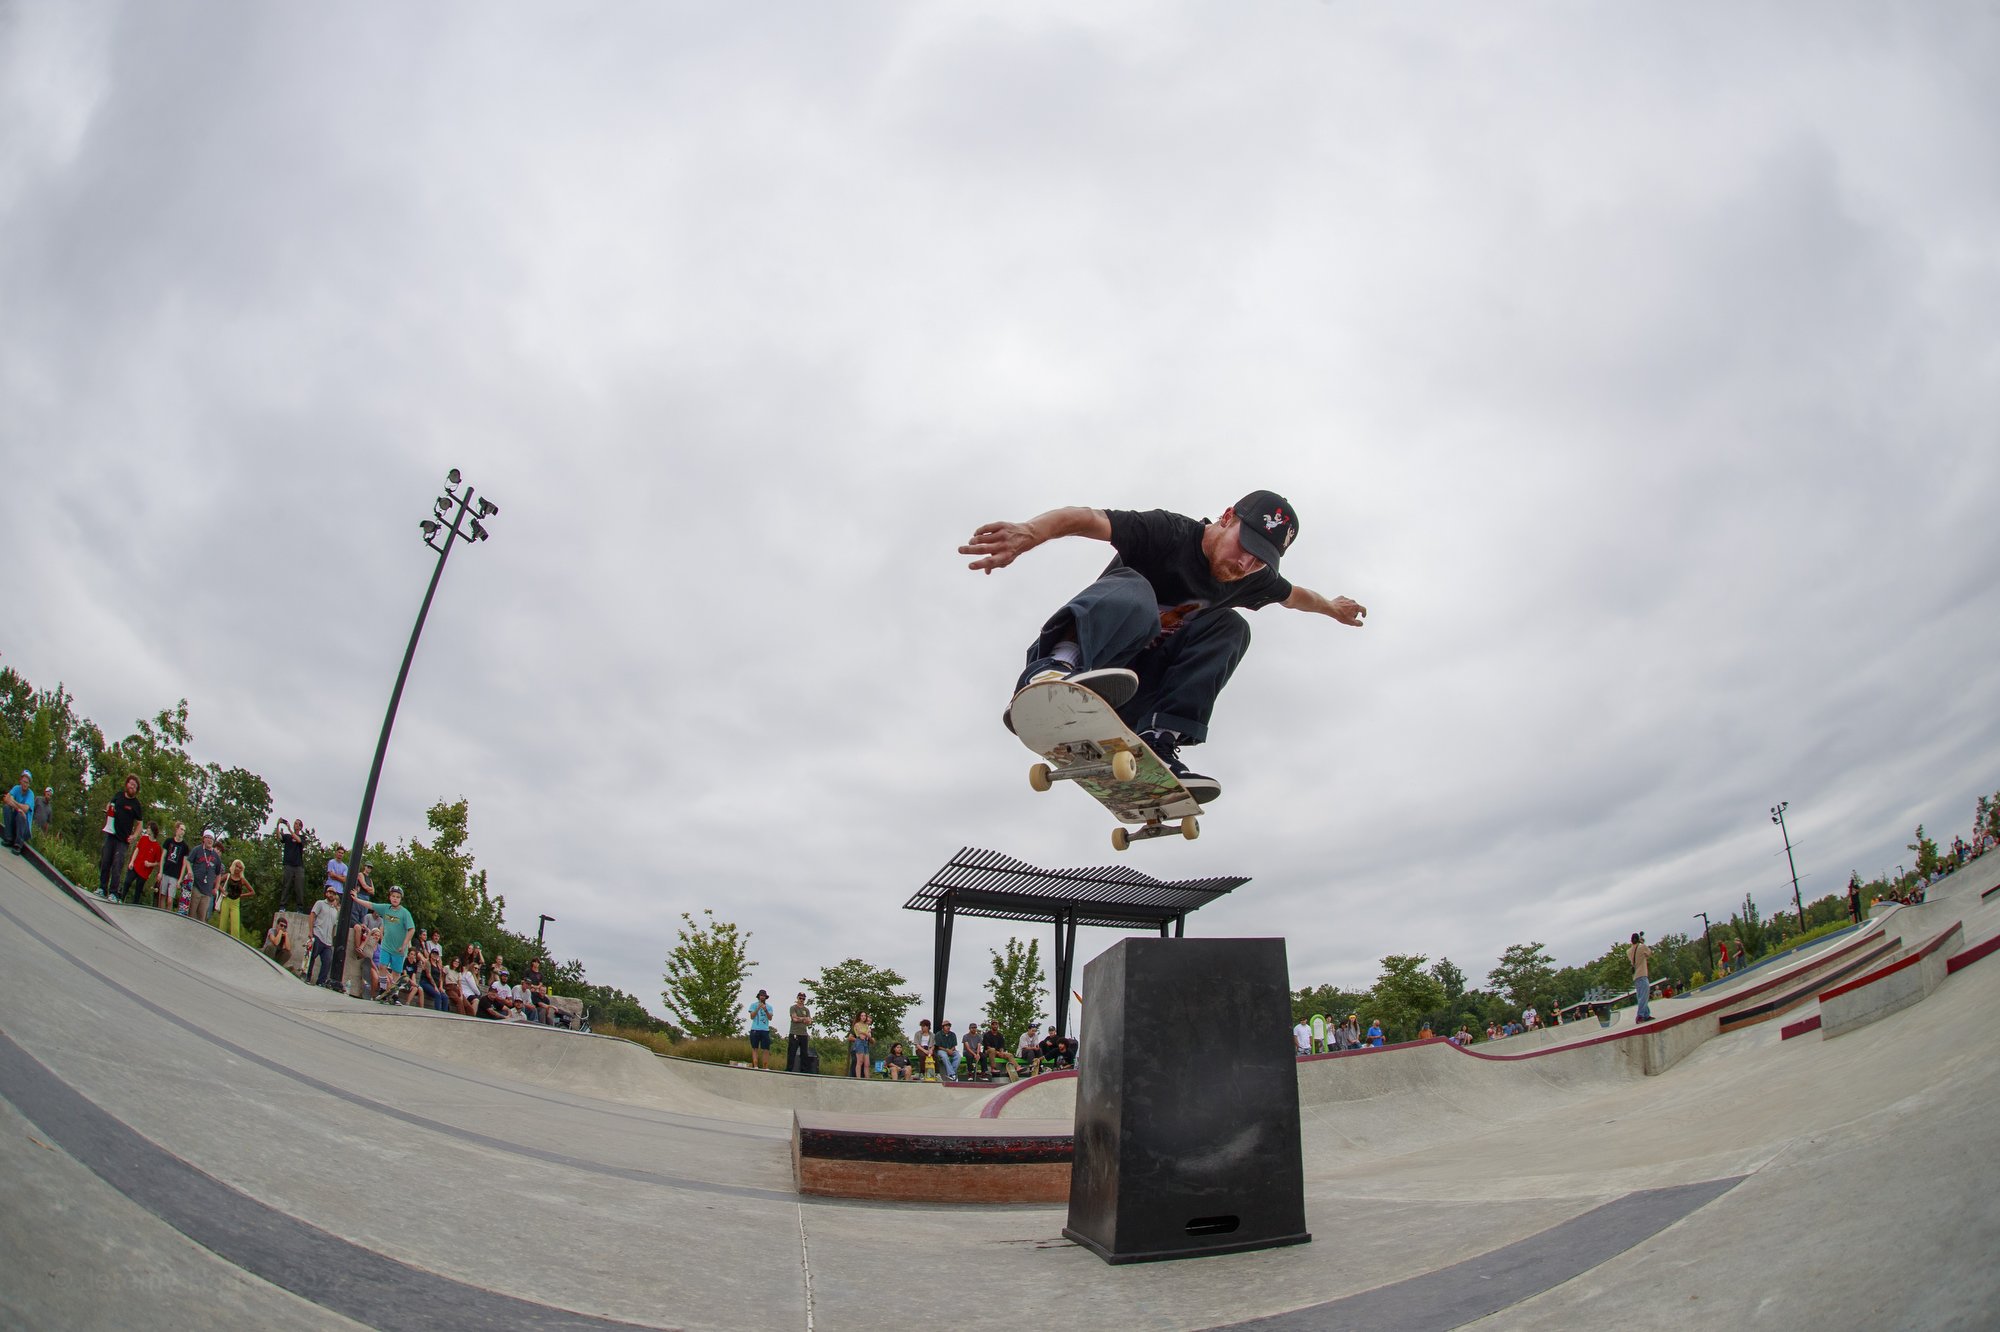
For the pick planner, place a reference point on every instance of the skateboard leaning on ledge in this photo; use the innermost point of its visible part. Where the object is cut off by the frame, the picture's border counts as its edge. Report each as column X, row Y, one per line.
column 1085, row 742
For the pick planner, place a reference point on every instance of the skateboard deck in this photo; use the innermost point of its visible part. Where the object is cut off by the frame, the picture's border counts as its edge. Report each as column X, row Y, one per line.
column 1085, row 742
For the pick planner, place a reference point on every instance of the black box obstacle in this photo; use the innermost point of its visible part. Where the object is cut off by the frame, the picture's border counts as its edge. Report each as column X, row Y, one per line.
column 1187, row 1102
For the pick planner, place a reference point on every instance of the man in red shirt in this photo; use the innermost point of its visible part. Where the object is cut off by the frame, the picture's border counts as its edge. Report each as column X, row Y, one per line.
column 146, row 854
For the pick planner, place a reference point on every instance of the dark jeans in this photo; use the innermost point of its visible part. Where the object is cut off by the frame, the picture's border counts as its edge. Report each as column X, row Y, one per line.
column 795, row 1053
column 109, row 863
column 294, row 881
column 1115, row 622
column 322, row 957
column 16, row 828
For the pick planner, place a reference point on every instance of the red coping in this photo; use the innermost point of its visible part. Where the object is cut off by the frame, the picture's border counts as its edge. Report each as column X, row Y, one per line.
column 1869, row 939
column 1966, row 957
column 1870, row 978
column 1799, row 1028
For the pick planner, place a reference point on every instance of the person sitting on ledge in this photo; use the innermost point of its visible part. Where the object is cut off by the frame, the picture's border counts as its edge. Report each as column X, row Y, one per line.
column 897, row 1065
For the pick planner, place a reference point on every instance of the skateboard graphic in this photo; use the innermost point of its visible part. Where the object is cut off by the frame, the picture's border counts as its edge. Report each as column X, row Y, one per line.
column 1085, row 742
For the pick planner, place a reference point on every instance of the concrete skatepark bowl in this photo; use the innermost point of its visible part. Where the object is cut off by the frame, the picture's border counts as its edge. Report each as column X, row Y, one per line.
column 193, row 1138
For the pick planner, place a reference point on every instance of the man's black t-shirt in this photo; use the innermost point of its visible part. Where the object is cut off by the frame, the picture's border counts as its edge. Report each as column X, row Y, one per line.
column 491, row 1008
column 1165, row 549
column 171, row 859
column 293, row 849
column 993, row 1040
column 125, row 811
column 946, row 1040
column 1051, row 1048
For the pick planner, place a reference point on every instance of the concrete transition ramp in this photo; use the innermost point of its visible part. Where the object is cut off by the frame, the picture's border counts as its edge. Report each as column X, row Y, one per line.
column 193, row 1138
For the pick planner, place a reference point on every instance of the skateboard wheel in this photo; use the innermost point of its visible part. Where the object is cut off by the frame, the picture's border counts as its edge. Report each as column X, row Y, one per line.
column 1038, row 776
column 1190, row 829
column 1124, row 767
column 1120, row 839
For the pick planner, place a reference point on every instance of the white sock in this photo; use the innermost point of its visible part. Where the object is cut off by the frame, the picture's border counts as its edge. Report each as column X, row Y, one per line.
column 1068, row 653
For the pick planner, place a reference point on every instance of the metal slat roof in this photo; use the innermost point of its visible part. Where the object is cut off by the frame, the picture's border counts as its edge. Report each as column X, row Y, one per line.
column 986, row 883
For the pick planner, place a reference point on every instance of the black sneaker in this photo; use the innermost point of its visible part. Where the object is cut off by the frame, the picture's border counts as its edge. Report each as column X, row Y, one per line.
column 1111, row 683
column 1167, row 745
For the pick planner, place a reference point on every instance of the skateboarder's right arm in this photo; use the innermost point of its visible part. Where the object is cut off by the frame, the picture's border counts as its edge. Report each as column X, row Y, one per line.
column 1000, row 544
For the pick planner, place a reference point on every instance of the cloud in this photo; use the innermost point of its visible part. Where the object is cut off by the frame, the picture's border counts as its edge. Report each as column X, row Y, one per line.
column 1635, row 372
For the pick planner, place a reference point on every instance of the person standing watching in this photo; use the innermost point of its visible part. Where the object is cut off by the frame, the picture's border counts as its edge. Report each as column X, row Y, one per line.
column 173, row 869
column 121, row 816
column 292, row 855
column 800, row 1039
column 397, row 927
column 760, row 1031
column 45, row 809
column 1641, row 984
column 325, row 914
column 1854, row 898
column 229, row 909
column 336, row 868
column 139, row 871
column 18, row 824
column 205, row 866
column 860, row 1037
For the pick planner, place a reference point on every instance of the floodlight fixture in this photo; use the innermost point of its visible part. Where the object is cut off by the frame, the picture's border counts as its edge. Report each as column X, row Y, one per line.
column 487, row 508
column 478, row 532
column 431, row 529
column 452, row 477
column 442, row 507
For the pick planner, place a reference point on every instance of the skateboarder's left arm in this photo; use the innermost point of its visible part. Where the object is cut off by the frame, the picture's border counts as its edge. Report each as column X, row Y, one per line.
column 1345, row 609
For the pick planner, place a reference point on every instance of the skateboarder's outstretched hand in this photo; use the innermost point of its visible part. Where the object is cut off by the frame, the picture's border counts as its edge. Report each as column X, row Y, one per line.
column 999, row 545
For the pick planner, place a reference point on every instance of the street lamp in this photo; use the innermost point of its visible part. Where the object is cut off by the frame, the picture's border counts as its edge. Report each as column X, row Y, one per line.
column 1705, row 942
column 1778, row 817
column 540, row 927
column 439, row 538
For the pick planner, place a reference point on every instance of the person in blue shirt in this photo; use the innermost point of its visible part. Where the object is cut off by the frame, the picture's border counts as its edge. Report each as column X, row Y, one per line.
column 1374, row 1033
column 18, row 823
column 760, row 1031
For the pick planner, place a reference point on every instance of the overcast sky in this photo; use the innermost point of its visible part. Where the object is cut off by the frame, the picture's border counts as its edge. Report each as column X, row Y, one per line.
column 1637, row 367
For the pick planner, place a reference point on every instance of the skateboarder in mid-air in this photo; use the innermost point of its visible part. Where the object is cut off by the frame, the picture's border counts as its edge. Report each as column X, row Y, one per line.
column 1158, row 635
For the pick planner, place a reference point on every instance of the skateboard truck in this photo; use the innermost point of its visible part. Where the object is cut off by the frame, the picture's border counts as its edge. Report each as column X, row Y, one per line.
column 1119, row 766
column 1122, row 837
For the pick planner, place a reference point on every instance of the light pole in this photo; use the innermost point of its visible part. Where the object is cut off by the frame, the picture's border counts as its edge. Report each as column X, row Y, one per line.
column 463, row 515
column 540, row 927
column 1778, row 817
column 1706, row 944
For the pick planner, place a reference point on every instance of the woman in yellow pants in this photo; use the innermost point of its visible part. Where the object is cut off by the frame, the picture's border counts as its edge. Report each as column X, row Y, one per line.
column 229, row 900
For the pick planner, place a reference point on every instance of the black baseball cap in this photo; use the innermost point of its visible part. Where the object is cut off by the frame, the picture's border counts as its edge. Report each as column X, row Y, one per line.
column 1269, row 525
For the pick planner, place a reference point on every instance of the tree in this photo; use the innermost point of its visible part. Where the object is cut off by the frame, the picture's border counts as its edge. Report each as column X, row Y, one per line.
column 841, row 992
column 1015, row 992
column 1526, row 974
column 1926, row 851
column 1749, row 926
column 1453, row 980
column 705, row 972
column 232, row 801
column 1405, row 995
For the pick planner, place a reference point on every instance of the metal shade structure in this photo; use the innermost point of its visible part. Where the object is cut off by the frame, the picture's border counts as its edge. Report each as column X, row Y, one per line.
column 996, row 887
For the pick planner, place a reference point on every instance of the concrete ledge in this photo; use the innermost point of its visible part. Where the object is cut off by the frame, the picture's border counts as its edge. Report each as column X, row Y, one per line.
column 883, row 1159
column 1966, row 957
column 1889, row 989
column 1805, row 989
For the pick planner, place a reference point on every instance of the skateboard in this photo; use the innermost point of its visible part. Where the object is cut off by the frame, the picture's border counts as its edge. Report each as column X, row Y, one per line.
column 1084, row 742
